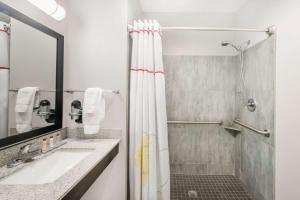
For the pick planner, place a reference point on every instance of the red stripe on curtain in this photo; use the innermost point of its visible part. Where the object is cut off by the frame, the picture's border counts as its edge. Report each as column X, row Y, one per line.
column 7, row 68
column 5, row 31
column 148, row 71
column 142, row 30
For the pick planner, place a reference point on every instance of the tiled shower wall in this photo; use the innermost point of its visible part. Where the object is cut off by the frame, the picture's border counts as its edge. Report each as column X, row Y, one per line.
column 201, row 88
column 204, row 88
column 255, row 153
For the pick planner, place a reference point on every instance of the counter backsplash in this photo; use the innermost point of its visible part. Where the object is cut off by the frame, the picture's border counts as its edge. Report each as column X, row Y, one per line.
column 10, row 152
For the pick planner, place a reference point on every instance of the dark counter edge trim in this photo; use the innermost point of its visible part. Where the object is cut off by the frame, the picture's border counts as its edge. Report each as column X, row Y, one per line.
column 84, row 184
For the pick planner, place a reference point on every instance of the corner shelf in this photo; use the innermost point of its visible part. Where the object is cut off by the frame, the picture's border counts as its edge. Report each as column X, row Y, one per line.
column 232, row 129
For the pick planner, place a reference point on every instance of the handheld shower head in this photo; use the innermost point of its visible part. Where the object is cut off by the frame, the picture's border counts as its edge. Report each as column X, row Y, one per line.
column 240, row 48
column 224, row 43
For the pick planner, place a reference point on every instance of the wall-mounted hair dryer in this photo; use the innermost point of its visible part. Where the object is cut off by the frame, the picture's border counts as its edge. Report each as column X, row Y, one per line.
column 44, row 110
column 76, row 111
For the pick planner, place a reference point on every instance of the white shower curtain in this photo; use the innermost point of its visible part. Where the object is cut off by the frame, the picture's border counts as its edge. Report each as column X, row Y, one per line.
column 4, row 78
column 149, row 153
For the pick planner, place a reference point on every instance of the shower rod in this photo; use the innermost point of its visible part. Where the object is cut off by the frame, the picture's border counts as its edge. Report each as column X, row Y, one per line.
column 270, row 30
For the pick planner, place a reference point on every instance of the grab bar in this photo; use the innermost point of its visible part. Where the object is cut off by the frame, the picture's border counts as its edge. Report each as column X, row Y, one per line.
column 193, row 122
column 41, row 90
column 265, row 133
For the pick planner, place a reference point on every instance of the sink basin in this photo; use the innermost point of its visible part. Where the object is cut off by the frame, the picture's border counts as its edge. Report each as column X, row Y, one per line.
column 48, row 169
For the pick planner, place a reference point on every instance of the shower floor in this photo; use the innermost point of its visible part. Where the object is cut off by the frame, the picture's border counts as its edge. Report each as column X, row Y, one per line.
column 207, row 187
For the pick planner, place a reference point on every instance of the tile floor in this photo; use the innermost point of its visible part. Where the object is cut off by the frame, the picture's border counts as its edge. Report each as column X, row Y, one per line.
column 207, row 187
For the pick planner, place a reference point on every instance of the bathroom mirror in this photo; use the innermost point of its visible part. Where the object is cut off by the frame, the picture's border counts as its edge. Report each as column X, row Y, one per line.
column 31, row 78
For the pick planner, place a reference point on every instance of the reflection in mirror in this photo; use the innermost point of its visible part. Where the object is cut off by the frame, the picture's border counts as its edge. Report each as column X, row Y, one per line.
column 27, row 77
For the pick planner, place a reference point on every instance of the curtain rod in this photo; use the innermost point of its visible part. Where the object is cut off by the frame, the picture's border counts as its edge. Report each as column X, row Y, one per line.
column 270, row 30
column 81, row 91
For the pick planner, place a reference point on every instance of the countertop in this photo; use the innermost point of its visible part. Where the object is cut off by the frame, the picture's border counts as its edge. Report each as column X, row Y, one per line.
column 61, row 186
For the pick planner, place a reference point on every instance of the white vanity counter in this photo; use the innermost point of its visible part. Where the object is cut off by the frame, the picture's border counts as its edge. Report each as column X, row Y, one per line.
column 55, row 174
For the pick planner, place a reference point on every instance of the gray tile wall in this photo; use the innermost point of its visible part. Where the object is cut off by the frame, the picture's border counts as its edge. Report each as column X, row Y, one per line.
column 201, row 88
column 255, row 153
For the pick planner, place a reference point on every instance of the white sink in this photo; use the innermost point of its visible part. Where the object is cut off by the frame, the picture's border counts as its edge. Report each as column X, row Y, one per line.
column 48, row 169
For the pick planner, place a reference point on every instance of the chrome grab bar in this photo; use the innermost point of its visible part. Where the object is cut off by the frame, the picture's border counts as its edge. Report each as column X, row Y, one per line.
column 41, row 90
column 68, row 91
column 194, row 122
column 265, row 133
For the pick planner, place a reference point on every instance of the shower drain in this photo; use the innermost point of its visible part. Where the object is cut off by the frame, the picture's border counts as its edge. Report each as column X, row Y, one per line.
column 192, row 194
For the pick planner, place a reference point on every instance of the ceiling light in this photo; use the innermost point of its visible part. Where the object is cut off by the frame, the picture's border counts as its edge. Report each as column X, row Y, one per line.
column 59, row 14
column 50, row 7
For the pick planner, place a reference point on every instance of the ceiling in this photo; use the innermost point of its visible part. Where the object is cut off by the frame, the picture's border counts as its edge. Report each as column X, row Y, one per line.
column 224, row 6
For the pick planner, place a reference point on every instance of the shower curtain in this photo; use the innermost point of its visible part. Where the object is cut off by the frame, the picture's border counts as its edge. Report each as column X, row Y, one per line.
column 149, row 153
column 4, row 78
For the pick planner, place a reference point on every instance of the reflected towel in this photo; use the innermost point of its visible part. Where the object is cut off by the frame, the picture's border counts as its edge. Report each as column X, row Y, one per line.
column 24, row 108
column 24, row 98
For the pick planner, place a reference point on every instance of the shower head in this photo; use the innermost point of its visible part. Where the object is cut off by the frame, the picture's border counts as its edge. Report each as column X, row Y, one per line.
column 240, row 48
column 224, row 43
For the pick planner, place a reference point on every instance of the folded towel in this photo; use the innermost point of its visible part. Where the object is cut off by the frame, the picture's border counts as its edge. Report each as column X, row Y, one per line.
column 24, row 108
column 90, row 99
column 24, row 98
column 93, row 111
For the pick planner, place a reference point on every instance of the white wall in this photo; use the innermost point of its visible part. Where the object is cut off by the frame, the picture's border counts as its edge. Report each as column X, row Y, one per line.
column 97, row 57
column 32, row 63
column 96, row 53
column 134, row 10
column 284, row 14
column 195, row 42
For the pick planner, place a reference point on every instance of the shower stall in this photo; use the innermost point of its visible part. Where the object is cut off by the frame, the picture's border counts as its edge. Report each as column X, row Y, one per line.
column 220, row 116
column 220, row 113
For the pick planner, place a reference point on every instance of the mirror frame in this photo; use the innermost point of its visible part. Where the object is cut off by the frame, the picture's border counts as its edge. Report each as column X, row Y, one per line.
column 13, row 140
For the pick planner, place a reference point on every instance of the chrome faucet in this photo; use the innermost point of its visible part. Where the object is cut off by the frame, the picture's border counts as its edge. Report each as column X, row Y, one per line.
column 25, row 154
column 25, row 149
